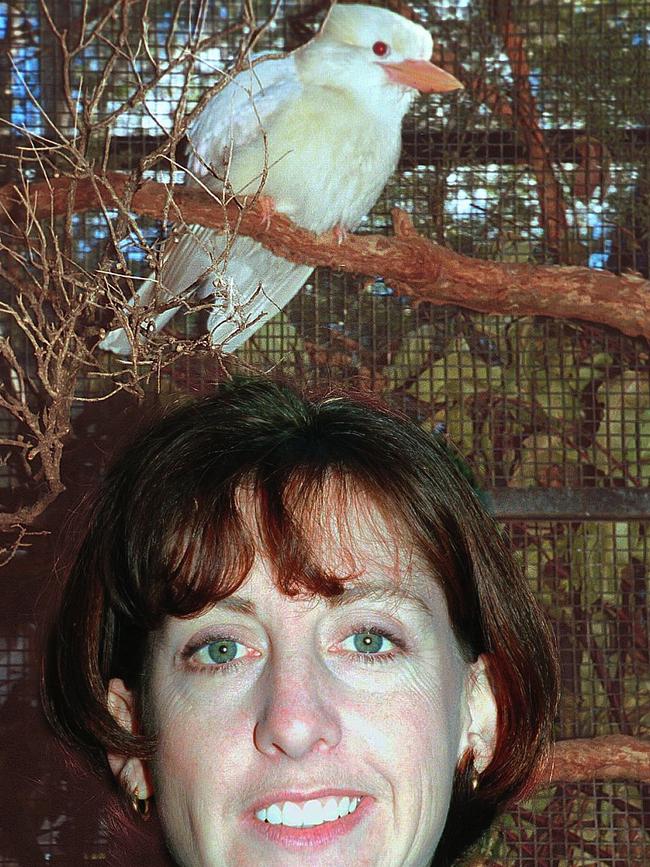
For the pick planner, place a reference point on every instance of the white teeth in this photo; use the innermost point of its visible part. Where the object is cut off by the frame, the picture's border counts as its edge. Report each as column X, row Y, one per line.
column 309, row 814
column 331, row 810
column 313, row 813
column 292, row 815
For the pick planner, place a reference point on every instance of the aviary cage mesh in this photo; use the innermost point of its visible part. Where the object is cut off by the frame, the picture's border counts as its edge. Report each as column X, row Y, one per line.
column 534, row 404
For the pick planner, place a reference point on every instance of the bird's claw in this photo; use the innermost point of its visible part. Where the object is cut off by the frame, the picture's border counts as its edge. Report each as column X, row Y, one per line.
column 267, row 210
column 340, row 233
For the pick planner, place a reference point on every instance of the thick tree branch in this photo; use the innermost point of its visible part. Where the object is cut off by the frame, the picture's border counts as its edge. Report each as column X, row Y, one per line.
column 614, row 757
column 409, row 263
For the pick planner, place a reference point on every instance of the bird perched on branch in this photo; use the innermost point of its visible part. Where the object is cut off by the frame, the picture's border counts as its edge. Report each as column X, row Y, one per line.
column 323, row 124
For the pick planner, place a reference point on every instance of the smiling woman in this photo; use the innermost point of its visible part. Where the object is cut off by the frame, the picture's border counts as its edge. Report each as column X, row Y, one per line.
column 292, row 628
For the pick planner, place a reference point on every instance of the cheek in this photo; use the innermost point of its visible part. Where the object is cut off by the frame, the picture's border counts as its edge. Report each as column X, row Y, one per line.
column 201, row 757
column 200, row 740
column 415, row 728
column 177, row 763
column 425, row 734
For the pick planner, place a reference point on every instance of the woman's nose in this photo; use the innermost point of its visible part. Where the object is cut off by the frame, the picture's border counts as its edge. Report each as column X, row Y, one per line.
column 296, row 714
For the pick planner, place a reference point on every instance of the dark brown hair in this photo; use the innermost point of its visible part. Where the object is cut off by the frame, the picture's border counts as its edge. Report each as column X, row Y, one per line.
column 166, row 537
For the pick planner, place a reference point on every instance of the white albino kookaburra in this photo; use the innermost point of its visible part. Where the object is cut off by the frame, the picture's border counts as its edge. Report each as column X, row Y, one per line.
column 331, row 113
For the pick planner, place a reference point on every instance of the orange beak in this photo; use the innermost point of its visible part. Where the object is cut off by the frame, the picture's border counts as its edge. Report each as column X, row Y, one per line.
column 421, row 75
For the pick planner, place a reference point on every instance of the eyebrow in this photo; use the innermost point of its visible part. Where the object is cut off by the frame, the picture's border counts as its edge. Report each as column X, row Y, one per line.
column 361, row 591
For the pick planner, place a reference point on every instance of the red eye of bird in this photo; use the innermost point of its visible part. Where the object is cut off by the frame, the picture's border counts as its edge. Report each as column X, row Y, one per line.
column 380, row 49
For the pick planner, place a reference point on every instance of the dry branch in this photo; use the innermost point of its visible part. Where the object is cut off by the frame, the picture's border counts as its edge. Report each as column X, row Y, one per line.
column 520, row 111
column 409, row 263
column 56, row 306
column 528, row 122
column 614, row 757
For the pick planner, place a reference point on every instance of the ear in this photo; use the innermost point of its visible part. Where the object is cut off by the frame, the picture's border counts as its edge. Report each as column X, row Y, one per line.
column 481, row 720
column 131, row 772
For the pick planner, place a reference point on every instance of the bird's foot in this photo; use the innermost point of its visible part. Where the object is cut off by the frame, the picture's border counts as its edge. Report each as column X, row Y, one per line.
column 266, row 204
column 340, row 233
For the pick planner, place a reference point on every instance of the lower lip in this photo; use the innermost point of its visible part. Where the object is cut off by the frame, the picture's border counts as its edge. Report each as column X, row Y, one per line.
column 299, row 839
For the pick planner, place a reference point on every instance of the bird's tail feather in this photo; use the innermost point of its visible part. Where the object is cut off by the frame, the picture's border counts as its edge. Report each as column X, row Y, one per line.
column 189, row 257
column 230, row 332
column 117, row 340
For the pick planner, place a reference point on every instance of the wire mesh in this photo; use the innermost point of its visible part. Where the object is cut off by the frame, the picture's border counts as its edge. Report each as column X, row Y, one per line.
column 531, row 402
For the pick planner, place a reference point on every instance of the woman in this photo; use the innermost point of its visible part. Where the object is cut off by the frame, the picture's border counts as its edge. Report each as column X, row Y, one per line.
column 293, row 628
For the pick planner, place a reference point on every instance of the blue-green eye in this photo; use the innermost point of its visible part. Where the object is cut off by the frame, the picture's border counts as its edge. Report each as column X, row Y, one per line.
column 369, row 642
column 219, row 652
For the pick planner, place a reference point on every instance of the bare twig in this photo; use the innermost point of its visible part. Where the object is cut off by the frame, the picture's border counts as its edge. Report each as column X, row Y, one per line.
column 56, row 305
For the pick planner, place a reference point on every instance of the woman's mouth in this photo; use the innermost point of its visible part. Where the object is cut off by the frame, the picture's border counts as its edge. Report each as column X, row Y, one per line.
column 309, row 814
column 312, row 824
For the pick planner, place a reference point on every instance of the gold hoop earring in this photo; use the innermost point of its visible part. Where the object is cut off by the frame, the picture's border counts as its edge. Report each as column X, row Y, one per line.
column 140, row 805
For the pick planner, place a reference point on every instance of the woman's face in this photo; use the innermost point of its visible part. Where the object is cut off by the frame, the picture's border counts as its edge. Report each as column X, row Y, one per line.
column 276, row 716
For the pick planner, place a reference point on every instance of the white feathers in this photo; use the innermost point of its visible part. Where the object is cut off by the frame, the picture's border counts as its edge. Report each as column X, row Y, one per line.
column 236, row 114
column 324, row 124
column 360, row 25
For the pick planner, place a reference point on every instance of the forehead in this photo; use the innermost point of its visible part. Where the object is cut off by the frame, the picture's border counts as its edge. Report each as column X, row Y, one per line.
column 352, row 536
column 341, row 521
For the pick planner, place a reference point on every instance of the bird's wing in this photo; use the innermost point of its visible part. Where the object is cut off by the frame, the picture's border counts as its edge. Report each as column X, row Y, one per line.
column 233, row 117
column 238, row 113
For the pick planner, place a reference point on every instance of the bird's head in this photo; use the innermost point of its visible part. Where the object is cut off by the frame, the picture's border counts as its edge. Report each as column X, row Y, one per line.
column 372, row 50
